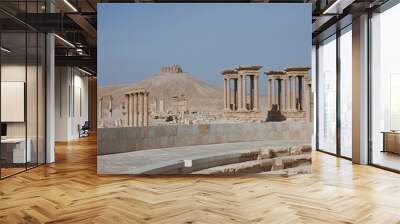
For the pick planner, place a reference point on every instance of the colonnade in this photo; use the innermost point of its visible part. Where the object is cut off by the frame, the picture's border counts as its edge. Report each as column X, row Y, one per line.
column 287, row 89
column 235, row 97
column 136, row 108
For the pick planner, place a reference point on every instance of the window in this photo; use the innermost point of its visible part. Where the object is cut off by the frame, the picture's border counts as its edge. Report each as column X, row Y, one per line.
column 346, row 92
column 385, row 88
column 327, row 95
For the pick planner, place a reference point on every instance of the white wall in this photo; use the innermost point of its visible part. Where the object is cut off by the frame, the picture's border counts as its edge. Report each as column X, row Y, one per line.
column 33, row 126
column 70, row 84
column 17, row 73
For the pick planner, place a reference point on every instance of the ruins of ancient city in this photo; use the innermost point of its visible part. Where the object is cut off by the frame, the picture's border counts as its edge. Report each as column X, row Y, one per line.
column 165, row 99
column 136, row 107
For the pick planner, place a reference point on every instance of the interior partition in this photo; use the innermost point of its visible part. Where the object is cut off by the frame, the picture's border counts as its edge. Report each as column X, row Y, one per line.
column 22, row 107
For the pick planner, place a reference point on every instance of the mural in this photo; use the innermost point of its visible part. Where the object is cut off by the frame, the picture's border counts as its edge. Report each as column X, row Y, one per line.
column 237, row 103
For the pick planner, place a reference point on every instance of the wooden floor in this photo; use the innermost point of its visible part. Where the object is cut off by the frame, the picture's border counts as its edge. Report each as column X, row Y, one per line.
column 70, row 191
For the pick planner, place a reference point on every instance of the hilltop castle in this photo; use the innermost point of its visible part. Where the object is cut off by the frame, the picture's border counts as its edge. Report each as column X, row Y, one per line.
column 171, row 69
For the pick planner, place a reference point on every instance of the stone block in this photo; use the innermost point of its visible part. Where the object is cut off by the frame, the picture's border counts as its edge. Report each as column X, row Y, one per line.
column 109, row 142
column 152, row 132
column 184, row 130
column 194, row 130
column 170, row 131
column 163, row 141
column 295, row 134
column 172, row 141
column 277, row 165
column 279, row 152
column 295, row 150
column 265, row 153
column 203, row 129
column 171, row 169
column 306, row 148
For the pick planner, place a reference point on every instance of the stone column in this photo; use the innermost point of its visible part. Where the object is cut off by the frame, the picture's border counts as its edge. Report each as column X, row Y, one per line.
column 244, row 92
column 129, row 109
column 277, row 94
column 229, row 93
column 293, row 93
column 140, row 109
column 307, row 102
column 225, row 96
column 235, row 94
column 240, row 94
column 110, row 106
column 303, row 92
column 251, row 96
column 287, row 94
column 135, row 109
column 162, row 107
column 282, row 96
column 100, row 107
column 268, row 94
column 283, row 93
column 145, row 109
column 256, row 100
column 289, row 91
column 273, row 92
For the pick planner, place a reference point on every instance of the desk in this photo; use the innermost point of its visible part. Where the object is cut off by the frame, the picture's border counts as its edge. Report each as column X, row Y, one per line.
column 13, row 150
column 391, row 141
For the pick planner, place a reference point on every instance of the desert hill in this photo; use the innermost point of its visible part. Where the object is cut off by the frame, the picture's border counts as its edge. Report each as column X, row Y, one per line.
column 200, row 95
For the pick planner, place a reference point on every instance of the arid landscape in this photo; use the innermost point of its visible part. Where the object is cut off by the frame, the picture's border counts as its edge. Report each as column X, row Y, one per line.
column 171, row 94
column 174, row 123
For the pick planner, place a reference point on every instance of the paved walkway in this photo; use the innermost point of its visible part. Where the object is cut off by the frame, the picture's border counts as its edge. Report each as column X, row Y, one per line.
column 138, row 162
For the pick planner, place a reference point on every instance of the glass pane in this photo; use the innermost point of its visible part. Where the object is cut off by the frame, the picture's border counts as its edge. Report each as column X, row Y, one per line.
column 41, row 98
column 23, row 90
column 386, row 89
column 327, row 95
column 31, row 98
column 346, row 92
column 13, row 88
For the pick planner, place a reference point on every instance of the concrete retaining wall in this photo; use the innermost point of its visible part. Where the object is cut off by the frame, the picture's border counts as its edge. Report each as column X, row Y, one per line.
column 128, row 139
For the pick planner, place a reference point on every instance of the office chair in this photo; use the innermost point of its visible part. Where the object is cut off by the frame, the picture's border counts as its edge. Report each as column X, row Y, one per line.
column 84, row 130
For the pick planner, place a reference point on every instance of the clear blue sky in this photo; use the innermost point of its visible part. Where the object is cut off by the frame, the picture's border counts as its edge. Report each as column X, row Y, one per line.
column 135, row 40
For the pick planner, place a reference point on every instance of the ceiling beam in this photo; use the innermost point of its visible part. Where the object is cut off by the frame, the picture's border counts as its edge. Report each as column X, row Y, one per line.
column 86, row 27
column 78, row 61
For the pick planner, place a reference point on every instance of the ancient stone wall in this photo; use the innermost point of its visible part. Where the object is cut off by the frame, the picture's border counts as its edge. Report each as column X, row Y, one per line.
column 128, row 139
